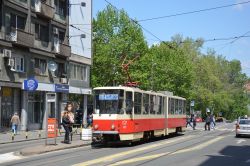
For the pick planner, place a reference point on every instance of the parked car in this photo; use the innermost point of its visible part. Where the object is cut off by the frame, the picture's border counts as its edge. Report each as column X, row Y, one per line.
column 242, row 127
column 198, row 119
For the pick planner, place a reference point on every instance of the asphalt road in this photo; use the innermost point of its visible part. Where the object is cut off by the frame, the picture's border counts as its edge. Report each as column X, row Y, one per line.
column 195, row 148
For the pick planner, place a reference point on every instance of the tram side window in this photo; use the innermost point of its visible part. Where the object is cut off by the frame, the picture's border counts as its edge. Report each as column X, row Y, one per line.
column 159, row 111
column 137, row 98
column 129, row 102
column 172, row 106
column 184, row 107
column 152, row 104
column 146, row 103
column 180, row 109
column 176, row 107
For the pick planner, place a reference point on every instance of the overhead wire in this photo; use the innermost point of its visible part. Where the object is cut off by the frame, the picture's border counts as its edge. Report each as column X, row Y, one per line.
column 195, row 11
column 146, row 30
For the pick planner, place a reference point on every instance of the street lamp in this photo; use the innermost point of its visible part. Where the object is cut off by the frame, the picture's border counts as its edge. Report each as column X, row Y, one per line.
column 83, row 4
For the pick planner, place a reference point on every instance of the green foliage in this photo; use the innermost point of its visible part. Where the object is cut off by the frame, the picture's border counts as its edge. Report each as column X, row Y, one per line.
column 178, row 66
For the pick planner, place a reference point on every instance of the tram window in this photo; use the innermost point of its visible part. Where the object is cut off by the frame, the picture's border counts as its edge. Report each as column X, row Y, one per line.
column 169, row 106
column 180, row 107
column 176, row 107
column 152, row 104
column 146, row 103
column 159, row 111
column 172, row 106
column 129, row 102
column 108, row 101
column 137, row 98
column 184, row 107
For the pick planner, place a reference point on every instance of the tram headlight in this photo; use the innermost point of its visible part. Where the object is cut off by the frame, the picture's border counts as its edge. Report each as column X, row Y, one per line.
column 112, row 127
column 96, row 127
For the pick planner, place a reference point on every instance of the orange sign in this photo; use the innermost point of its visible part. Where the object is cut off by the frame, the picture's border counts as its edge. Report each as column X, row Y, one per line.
column 52, row 127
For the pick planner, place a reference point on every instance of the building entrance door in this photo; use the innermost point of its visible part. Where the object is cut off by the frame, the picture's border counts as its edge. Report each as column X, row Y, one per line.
column 51, row 106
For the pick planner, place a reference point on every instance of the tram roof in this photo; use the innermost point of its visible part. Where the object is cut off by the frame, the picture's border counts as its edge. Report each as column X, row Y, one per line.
column 161, row 93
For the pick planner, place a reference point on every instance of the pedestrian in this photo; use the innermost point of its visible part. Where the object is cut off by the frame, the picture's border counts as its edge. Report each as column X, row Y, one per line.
column 212, row 121
column 90, row 119
column 66, row 125
column 207, row 123
column 69, row 109
column 194, row 121
column 15, row 121
column 188, row 122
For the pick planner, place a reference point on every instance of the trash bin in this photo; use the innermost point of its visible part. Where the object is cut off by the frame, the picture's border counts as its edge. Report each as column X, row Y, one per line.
column 86, row 134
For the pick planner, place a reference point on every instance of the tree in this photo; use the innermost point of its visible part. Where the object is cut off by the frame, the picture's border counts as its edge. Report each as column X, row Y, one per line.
column 115, row 36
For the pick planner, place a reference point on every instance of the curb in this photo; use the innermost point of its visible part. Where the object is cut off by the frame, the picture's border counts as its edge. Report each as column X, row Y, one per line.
column 50, row 148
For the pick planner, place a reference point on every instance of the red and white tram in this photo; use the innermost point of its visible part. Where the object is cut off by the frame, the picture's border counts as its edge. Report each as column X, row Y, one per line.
column 129, row 114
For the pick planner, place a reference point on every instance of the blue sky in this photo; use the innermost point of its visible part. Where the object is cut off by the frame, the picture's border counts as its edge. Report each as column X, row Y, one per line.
column 221, row 23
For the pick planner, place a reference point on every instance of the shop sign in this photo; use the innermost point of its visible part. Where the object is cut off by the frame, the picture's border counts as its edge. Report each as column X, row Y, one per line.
column 61, row 88
column 30, row 84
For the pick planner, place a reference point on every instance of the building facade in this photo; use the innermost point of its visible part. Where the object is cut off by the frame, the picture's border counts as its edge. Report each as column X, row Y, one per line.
column 34, row 46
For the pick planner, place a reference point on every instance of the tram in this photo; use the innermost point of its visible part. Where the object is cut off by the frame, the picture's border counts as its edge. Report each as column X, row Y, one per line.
column 129, row 114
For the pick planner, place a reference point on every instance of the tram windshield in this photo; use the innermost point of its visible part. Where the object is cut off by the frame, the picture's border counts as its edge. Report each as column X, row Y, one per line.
column 108, row 101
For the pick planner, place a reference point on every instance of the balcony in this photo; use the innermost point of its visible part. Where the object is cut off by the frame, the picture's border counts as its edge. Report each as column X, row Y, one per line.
column 65, row 50
column 44, row 10
column 20, row 37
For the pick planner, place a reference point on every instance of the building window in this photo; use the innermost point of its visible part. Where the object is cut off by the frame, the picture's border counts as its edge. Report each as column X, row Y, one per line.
column 61, row 70
column 13, row 21
column 61, row 36
column 40, row 66
column 78, row 72
column 60, row 6
column 41, row 32
column 18, row 64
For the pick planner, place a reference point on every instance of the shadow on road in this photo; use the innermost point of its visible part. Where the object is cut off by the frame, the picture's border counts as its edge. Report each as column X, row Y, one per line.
column 125, row 144
column 230, row 156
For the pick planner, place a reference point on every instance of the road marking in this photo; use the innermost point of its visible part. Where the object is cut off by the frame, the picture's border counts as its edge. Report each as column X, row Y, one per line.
column 7, row 157
column 200, row 146
column 113, row 156
column 240, row 141
column 133, row 160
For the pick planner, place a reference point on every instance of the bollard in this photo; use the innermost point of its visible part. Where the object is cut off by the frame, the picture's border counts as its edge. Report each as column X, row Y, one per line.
column 81, row 133
column 26, row 135
column 12, row 137
column 39, row 133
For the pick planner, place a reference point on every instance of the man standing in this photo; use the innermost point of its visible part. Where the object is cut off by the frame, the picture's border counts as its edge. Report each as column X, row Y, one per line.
column 207, row 122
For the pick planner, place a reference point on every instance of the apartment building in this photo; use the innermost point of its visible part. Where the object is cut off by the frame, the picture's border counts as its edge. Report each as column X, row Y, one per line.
column 35, row 62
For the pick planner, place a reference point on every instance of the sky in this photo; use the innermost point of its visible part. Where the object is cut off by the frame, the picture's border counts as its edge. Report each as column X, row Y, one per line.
column 225, row 22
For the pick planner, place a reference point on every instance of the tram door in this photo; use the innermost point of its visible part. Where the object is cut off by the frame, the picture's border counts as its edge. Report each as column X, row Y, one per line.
column 129, row 104
column 51, row 105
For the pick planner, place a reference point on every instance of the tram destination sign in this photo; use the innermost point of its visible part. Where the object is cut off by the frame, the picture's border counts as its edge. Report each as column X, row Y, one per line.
column 108, row 97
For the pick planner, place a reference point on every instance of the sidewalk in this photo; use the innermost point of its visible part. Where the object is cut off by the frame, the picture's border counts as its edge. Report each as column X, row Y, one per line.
column 49, row 148
column 8, row 137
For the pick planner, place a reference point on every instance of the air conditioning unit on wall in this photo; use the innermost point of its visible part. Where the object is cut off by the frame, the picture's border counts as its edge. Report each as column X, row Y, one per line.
column 6, row 53
column 37, row 5
column 11, row 62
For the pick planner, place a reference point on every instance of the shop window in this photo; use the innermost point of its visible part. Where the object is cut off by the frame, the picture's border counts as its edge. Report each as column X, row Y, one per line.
column 18, row 64
column 35, row 107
